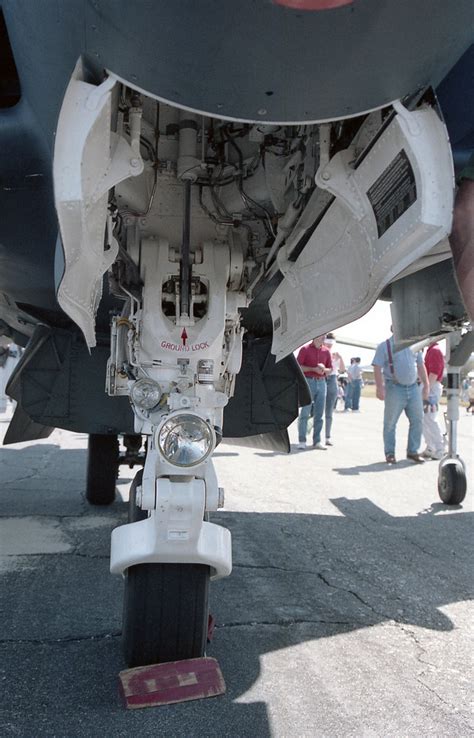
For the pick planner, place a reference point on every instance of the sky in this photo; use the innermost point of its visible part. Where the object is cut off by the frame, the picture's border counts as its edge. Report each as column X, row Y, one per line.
column 374, row 327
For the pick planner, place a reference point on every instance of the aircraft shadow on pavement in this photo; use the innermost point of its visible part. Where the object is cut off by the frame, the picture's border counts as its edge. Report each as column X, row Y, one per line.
column 297, row 578
column 303, row 577
column 376, row 466
column 438, row 507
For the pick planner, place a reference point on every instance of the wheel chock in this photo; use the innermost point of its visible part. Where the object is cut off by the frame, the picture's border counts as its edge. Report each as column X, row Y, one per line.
column 171, row 682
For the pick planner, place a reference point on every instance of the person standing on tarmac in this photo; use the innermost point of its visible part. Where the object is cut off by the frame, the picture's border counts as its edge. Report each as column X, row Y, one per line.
column 338, row 366
column 396, row 376
column 434, row 365
column 354, row 376
column 316, row 364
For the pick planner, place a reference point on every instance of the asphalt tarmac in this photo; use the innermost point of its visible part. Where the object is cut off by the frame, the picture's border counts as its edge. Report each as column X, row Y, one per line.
column 348, row 612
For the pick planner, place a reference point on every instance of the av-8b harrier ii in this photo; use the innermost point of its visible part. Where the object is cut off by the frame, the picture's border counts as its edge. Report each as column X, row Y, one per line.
column 189, row 191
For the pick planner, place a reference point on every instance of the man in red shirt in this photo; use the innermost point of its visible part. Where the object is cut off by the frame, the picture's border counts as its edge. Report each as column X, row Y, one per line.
column 434, row 364
column 315, row 361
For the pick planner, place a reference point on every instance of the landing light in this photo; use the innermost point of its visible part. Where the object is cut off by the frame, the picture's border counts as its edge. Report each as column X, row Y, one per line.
column 145, row 393
column 185, row 440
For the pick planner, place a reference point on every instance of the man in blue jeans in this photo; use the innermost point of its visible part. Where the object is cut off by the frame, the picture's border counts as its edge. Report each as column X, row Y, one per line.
column 354, row 386
column 396, row 377
column 315, row 361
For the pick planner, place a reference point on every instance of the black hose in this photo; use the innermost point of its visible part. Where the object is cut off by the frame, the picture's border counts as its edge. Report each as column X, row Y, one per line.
column 218, row 219
column 248, row 201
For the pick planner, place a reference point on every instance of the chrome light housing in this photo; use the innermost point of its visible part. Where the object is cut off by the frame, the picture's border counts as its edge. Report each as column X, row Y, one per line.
column 145, row 393
column 185, row 440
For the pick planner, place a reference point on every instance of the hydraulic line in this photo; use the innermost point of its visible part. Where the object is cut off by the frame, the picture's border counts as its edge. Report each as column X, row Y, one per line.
column 185, row 271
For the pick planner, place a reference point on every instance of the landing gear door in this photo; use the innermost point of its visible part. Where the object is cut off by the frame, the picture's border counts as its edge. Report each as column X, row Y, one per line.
column 391, row 206
column 89, row 159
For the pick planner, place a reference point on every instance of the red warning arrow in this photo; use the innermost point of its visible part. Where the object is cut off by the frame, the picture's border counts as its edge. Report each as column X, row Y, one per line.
column 184, row 336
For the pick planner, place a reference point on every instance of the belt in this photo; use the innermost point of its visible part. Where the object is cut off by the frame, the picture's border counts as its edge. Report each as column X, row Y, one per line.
column 317, row 379
column 400, row 384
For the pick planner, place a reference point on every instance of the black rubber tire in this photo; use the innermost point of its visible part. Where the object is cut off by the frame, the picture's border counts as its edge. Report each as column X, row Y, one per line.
column 166, row 611
column 452, row 484
column 102, row 469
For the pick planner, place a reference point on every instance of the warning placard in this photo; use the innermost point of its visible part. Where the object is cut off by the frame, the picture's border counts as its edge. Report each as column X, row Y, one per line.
column 393, row 192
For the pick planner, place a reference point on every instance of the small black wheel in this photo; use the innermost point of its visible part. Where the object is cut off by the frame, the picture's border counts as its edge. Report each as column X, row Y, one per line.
column 452, row 484
column 166, row 611
column 102, row 469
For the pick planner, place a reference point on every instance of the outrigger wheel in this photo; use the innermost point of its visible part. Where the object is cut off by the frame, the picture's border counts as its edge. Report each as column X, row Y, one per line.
column 102, row 469
column 165, row 607
column 452, row 484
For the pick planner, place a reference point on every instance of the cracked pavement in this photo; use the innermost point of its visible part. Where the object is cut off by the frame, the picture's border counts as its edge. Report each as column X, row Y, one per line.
column 348, row 612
